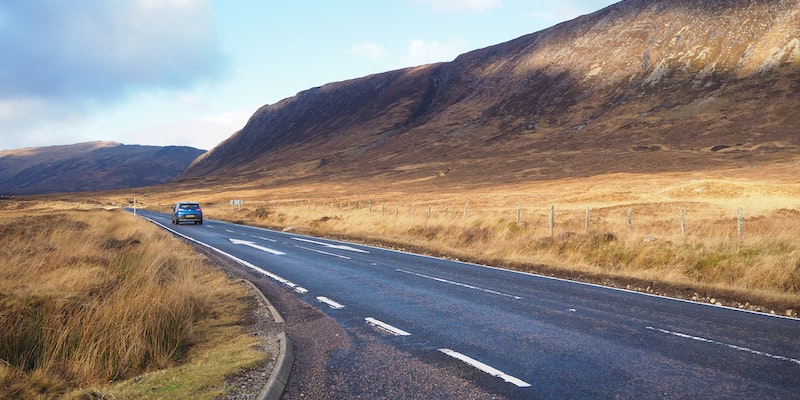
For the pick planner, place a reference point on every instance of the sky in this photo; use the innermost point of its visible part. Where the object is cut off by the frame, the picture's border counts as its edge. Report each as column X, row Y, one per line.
column 191, row 72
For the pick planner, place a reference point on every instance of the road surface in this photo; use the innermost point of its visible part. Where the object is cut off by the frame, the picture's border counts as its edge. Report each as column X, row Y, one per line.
column 516, row 335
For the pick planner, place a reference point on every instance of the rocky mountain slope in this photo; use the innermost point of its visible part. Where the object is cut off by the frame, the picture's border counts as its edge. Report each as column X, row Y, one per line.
column 640, row 86
column 90, row 166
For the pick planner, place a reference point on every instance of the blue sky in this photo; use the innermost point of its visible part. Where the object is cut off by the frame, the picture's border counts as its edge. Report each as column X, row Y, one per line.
column 191, row 72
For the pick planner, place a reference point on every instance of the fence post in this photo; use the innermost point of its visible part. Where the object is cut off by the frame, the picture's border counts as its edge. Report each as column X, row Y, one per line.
column 587, row 219
column 552, row 219
column 683, row 222
column 630, row 219
column 445, row 209
column 466, row 206
column 429, row 210
column 740, row 223
column 396, row 209
column 518, row 212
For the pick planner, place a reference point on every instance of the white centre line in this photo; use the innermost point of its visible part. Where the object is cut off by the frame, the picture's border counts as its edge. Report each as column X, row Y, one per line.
column 468, row 286
column 267, row 239
column 332, row 246
column 387, row 327
column 323, row 252
column 485, row 368
column 255, row 246
column 332, row 304
column 732, row 346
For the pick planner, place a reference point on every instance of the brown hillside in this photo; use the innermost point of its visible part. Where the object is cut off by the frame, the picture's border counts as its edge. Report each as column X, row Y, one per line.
column 90, row 166
column 642, row 86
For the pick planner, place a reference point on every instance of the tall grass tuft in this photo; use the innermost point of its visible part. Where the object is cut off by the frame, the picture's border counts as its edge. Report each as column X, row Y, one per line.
column 88, row 298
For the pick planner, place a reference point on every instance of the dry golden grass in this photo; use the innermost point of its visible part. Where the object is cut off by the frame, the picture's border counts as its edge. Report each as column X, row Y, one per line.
column 90, row 297
column 705, row 259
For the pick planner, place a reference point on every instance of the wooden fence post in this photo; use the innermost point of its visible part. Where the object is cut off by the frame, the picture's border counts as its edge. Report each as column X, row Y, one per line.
column 518, row 212
column 466, row 206
column 630, row 219
column 587, row 220
column 552, row 219
column 740, row 220
column 683, row 222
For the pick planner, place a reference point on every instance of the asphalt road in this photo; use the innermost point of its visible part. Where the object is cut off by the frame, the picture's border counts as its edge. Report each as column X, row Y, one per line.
column 518, row 335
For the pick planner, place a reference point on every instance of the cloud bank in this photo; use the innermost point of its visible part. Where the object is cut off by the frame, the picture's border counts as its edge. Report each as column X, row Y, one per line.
column 68, row 56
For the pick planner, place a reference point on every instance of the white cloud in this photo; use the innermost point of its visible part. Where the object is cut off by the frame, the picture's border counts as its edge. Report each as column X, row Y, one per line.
column 369, row 50
column 430, row 51
column 71, row 57
column 461, row 5
column 23, row 122
column 202, row 133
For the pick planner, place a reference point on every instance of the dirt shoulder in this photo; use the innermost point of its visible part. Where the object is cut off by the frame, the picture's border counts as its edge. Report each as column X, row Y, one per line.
column 314, row 335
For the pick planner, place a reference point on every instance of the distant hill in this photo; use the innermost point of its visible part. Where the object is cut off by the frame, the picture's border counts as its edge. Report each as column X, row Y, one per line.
column 640, row 86
column 90, row 166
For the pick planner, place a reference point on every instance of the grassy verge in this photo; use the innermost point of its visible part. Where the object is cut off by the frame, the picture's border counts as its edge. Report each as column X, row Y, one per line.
column 97, row 302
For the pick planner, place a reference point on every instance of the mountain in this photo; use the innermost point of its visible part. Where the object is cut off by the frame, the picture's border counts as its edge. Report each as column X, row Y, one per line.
column 640, row 86
column 90, row 166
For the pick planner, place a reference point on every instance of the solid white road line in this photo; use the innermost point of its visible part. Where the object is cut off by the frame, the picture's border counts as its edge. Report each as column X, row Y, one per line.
column 732, row 346
column 332, row 304
column 387, row 327
column 459, row 284
column 485, row 368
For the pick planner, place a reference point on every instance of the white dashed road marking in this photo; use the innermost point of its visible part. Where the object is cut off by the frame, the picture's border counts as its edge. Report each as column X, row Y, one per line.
column 323, row 252
column 485, row 368
column 255, row 246
column 732, row 346
column 332, row 246
column 332, row 304
column 386, row 327
column 459, row 284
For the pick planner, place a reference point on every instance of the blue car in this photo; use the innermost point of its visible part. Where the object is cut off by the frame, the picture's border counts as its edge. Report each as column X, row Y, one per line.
column 187, row 211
